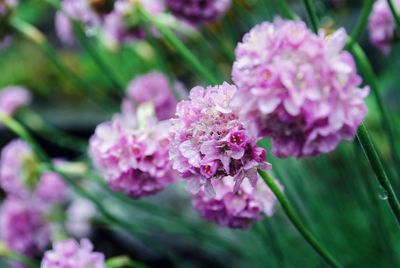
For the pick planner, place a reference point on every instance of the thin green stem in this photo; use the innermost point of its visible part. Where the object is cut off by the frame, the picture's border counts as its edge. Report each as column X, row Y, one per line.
column 362, row 22
column 376, row 164
column 396, row 15
column 285, row 10
column 371, row 79
column 101, row 64
column 14, row 256
column 311, row 14
column 180, row 47
column 295, row 219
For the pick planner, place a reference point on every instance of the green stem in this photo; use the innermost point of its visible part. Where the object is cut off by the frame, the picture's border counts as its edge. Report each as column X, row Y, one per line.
column 371, row 79
column 101, row 64
column 394, row 12
column 295, row 219
column 285, row 10
column 376, row 164
column 180, row 47
column 360, row 26
column 14, row 256
column 312, row 15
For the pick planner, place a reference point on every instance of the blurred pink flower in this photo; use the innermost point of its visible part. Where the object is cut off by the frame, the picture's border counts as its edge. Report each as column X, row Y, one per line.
column 51, row 189
column 381, row 25
column 235, row 210
column 71, row 254
column 154, row 87
column 298, row 88
column 20, row 177
column 119, row 27
column 195, row 11
column 208, row 141
column 79, row 214
column 64, row 28
column 133, row 158
column 13, row 97
column 23, row 227
column 12, row 160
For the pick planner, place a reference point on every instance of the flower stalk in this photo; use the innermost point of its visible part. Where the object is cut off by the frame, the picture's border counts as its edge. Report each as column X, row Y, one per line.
column 296, row 221
column 396, row 15
column 180, row 47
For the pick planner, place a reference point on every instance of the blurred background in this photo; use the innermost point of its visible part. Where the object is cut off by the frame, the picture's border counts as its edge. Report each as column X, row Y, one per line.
column 336, row 194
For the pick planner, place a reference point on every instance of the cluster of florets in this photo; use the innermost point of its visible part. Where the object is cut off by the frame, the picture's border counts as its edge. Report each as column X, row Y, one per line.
column 23, row 227
column 235, row 209
column 71, row 254
column 31, row 197
column 209, row 142
column 381, row 25
column 117, row 20
column 133, row 154
column 298, row 88
column 12, row 98
column 153, row 87
column 198, row 11
column 20, row 177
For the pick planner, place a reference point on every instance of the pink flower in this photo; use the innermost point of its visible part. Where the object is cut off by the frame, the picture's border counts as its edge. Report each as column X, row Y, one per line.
column 14, row 157
column 298, row 88
column 13, row 97
column 20, row 177
column 235, row 210
column 133, row 155
column 154, row 87
column 119, row 27
column 209, row 142
column 71, row 254
column 381, row 25
column 196, row 12
column 23, row 227
column 6, row 6
column 64, row 28
column 51, row 188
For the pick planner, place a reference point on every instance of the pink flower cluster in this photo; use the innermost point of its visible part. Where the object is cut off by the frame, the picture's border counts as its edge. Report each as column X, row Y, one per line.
column 133, row 158
column 198, row 11
column 381, row 25
column 154, row 87
column 298, row 88
column 209, row 142
column 235, row 210
column 31, row 196
column 113, row 18
column 71, row 254
column 19, row 176
column 13, row 97
column 23, row 227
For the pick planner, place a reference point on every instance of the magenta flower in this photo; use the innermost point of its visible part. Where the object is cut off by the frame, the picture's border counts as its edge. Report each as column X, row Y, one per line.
column 71, row 254
column 64, row 28
column 235, row 210
column 23, row 227
column 120, row 26
column 209, row 142
column 381, row 25
column 20, row 177
column 198, row 11
column 154, row 87
column 15, row 157
column 133, row 155
column 12, row 98
column 51, row 189
column 298, row 88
